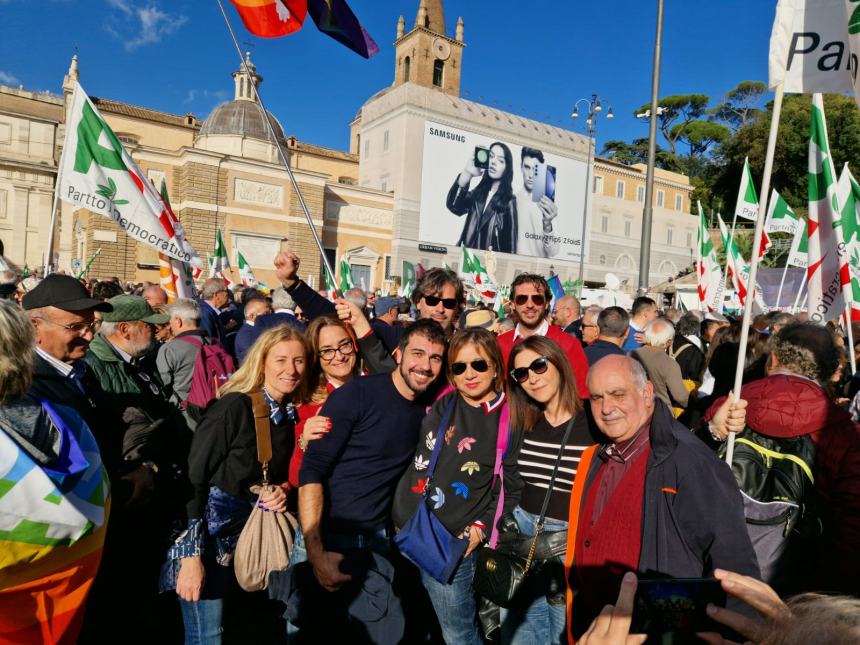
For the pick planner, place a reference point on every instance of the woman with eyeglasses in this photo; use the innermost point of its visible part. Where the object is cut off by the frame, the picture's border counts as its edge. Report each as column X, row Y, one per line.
column 543, row 399
column 463, row 494
column 333, row 363
column 491, row 207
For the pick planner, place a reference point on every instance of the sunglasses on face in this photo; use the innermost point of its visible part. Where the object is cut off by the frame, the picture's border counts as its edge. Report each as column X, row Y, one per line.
column 457, row 369
column 536, row 298
column 538, row 366
column 433, row 301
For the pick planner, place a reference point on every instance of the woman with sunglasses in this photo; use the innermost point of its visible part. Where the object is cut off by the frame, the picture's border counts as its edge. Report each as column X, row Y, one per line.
column 491, row 207
column 333, row 363
column 462, row 494
column 543, row 399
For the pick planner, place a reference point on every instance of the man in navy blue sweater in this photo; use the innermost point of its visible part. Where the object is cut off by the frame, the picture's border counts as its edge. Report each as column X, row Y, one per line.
column 348, row 479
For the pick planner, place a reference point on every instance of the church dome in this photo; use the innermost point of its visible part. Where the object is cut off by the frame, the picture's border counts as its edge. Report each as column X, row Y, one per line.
column 243, row 118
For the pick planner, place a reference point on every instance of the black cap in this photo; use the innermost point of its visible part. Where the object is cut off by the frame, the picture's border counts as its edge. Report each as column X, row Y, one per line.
column 63, row 292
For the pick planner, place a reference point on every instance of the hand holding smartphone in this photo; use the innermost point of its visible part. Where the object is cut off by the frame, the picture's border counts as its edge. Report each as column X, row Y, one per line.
column 675, row 608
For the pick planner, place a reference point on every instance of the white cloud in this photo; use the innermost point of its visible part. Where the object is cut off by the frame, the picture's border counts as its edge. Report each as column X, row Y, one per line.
column 8, row 79
column 141, row 25
column 194, row 96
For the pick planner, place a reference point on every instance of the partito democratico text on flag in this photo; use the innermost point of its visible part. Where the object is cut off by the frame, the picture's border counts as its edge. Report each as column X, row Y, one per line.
column 98, row 174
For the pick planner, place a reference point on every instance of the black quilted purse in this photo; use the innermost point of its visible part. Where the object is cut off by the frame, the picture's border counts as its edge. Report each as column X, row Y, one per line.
column 500, row 573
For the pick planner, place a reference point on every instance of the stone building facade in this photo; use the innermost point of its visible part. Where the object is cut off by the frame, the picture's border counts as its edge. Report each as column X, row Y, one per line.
column 224, row 172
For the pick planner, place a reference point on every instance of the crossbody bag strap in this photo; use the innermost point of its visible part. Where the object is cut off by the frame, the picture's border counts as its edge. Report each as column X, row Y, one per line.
column 263, row 429
column 502, row 440
column 437, row 444
column 539, row 525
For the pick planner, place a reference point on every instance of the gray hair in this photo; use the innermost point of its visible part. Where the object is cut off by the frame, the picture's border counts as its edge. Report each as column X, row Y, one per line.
column 109, row 328
column 688, row 325
column 592, row 312
column 637, row 371
column 185, row 309
column 212, row 287
column 659, row 332
column 613, row 322
column 357, row 297
column 16, row 353
column 281, row 299
column 8, row 277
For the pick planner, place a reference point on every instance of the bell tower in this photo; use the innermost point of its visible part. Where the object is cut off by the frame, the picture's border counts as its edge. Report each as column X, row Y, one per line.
column 426, row 55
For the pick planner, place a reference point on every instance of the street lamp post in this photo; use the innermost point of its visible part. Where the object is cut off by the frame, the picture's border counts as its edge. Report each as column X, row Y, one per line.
column 648, row 211
column 594, row 108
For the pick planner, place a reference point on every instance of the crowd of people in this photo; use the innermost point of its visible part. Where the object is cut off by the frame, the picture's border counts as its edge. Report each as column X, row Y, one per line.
column 585, row 446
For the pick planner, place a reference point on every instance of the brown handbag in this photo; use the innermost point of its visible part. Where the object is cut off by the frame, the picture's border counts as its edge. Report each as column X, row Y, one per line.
column 267, row 538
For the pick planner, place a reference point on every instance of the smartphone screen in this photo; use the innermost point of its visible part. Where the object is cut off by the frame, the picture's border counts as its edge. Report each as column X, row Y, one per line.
column 482, row 157
column 676, row 606
column 544, row 184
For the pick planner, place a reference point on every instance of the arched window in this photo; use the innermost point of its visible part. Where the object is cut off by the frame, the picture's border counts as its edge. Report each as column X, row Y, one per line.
column 407, row 62
column 438, row 72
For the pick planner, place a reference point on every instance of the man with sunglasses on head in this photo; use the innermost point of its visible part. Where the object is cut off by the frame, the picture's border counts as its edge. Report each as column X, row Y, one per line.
column 530, row 298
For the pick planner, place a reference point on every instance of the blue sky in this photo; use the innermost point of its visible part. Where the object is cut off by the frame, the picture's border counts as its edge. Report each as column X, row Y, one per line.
column 175, row 56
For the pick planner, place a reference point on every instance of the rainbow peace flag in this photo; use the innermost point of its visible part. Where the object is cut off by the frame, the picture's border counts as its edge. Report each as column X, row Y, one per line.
column 52, row 529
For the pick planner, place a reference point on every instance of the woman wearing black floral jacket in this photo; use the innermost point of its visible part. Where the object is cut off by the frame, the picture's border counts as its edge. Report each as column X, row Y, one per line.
column 463, row 493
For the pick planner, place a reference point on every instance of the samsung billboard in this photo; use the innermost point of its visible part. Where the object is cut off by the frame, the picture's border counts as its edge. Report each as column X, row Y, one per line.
column 484, row 193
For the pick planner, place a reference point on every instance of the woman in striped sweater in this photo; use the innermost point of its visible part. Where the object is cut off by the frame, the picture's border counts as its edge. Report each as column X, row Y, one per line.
column 543, row 399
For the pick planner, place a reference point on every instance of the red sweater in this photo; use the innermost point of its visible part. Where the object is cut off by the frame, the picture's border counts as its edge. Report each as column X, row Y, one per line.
column 569, row 344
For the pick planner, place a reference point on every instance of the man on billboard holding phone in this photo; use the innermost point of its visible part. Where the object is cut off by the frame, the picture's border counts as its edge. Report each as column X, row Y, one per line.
column 536, row 208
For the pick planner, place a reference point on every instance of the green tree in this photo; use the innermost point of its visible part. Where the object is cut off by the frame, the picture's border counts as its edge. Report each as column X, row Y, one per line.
column 700, row 135
column 792, row 148
column 637, row 152
column 739, row 104
column 677, row 110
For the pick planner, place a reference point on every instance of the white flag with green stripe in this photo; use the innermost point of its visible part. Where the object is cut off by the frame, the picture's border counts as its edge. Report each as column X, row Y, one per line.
column 798, row 256
column 780, row 217
column 826, row 251
column 407, row 280
column 218, row 261
column 246, row 275
column 708, row 273
column 746, row 206
column 848, row 196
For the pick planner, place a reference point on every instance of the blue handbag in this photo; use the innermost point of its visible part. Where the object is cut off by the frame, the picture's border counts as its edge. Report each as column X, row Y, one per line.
column 424, row 540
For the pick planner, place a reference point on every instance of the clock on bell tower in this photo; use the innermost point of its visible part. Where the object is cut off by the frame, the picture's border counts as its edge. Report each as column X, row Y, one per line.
column 426, row 55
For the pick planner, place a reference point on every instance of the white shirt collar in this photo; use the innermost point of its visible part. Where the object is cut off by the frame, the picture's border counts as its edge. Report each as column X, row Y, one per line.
column 126, row 357
column 63, row 368
column 542, row 330
column 695, row 340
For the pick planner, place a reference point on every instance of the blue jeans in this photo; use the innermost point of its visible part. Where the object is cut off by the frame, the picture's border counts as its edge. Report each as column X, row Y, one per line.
column 532, row 619
column 455, row 604
column 203, row 621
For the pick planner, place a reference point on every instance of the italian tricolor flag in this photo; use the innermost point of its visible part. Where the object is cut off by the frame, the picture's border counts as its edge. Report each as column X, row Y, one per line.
column 477, row 274
column 848, row 196
column 828, row 263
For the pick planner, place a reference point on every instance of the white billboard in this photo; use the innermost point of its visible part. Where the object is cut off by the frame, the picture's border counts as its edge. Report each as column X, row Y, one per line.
column 480, row 193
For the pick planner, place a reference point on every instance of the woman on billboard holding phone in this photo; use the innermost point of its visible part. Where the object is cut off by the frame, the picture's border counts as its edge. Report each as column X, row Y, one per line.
column 491, row 207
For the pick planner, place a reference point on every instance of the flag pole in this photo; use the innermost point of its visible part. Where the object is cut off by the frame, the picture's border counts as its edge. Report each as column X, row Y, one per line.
column 751, row 281
column 851, row 358
column 781, row 283
column 84, row 271
column 803, row 283
column 281, row 152
column 50, row 249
